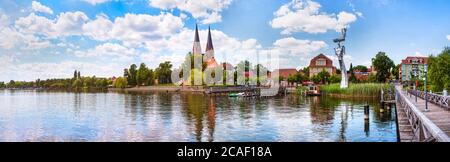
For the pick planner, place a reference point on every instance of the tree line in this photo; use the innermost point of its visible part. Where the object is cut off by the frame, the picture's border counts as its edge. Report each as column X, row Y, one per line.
column 77, row 82
column 144, row 76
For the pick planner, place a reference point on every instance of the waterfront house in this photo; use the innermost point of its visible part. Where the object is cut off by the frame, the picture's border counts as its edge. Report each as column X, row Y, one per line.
column 319, row 63
column 408, row 65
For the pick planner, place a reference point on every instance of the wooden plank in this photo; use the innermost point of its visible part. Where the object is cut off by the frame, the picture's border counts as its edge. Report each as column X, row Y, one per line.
column 436, row 114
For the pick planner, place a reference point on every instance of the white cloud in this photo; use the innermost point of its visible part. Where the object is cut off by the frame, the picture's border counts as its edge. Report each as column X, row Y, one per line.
column 70, row 23
column 99, row 29
column 420, row 54
column 207, row 11
column 304, row 16
column 67, row 23
column 448, row 37
column 164, row 4
column 3, row 20
column 95, row 2
column 108, row 49
column 34, row 24
column 131, row 27
column 10, row 38
column 139, row 27
column 295, row 47
column 38, row 7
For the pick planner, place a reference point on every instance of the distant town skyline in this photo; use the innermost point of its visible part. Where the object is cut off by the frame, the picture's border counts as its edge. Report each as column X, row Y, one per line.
column 50, row 39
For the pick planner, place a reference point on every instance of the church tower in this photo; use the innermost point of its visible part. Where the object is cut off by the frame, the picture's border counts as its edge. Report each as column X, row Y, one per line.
column 209, row 46
column 196, row 49
column 209, row 54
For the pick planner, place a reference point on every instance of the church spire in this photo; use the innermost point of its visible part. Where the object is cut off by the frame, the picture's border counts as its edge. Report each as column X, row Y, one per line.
column 197, row 38
column 209, row 44
column 196, row 48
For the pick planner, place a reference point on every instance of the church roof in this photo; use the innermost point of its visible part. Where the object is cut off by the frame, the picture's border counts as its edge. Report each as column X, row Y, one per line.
column 209, row 44
column 197, row 38
column 211, row 63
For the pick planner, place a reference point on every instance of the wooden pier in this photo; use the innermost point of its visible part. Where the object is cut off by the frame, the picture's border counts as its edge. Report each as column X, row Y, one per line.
column 415, row 124
column 249, row 91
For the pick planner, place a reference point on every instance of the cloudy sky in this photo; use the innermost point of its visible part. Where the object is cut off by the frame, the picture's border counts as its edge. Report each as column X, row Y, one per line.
column 52, row 38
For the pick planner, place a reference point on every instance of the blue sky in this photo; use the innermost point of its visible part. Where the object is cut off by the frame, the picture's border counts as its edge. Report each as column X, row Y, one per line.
column 50, row 38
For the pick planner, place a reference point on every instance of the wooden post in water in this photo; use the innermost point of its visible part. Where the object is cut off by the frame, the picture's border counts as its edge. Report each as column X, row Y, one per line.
column 382, row 101
column 366, row 112
column 366, row 127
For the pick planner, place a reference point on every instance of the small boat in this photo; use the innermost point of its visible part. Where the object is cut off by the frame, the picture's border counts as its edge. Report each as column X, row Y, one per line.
column 236, row 94
column 313, row 90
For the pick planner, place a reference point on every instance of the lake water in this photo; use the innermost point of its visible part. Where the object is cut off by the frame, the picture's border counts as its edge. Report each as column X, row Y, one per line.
column 112, row 116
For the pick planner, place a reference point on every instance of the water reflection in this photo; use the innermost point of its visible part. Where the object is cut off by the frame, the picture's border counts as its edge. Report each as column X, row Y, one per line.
column 162, row 116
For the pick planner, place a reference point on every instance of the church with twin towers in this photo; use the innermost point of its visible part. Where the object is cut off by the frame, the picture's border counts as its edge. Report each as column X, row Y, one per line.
column 208, row 56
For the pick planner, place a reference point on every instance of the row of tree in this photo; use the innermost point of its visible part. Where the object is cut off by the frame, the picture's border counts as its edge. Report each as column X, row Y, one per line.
column 76, row 83
column 144, row 76
column 439, row 70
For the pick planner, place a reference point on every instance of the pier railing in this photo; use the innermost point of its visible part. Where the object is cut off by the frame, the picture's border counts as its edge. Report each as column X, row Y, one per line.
column 423, row 128
column 437, row 99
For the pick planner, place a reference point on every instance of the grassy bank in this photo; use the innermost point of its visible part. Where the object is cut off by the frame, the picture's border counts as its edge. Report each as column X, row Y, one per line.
column 355, row 90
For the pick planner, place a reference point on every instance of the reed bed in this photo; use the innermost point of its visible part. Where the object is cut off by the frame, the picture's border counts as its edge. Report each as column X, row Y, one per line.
column 356, row 90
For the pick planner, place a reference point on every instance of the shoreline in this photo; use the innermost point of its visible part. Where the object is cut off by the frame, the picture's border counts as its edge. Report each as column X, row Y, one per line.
column 335, row 95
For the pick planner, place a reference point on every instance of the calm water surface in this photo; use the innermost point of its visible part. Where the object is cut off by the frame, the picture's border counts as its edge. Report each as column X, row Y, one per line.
column 63, row 116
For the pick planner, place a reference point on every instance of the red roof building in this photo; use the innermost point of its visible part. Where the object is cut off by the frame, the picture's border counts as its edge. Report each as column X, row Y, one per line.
column 411, row 63
column 285, row 73
column 319, row 63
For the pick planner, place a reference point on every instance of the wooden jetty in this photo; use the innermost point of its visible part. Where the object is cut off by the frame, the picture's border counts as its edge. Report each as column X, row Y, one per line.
column 415, row 124
column 249, row 91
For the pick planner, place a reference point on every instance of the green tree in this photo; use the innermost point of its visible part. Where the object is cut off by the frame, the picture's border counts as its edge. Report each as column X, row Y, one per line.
column 335, row 78
column 78, row 75
column 323, row 76
column 383, row 64
column 11, row 84
column 301, row 77
column 142, row 75
column 120, row 83
column 151, row 77
column 77, row 84
column 101, row 83
column 306, row 71
column 360, row 68
column 2, row 85
column 352, row 77
column 372, row 78
column 132, row 75
column 396, row 71
column 292, row 79
column 125, row 73
column 75, row 74
column 163, row 72
column 439, row 70
column 316, row 79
